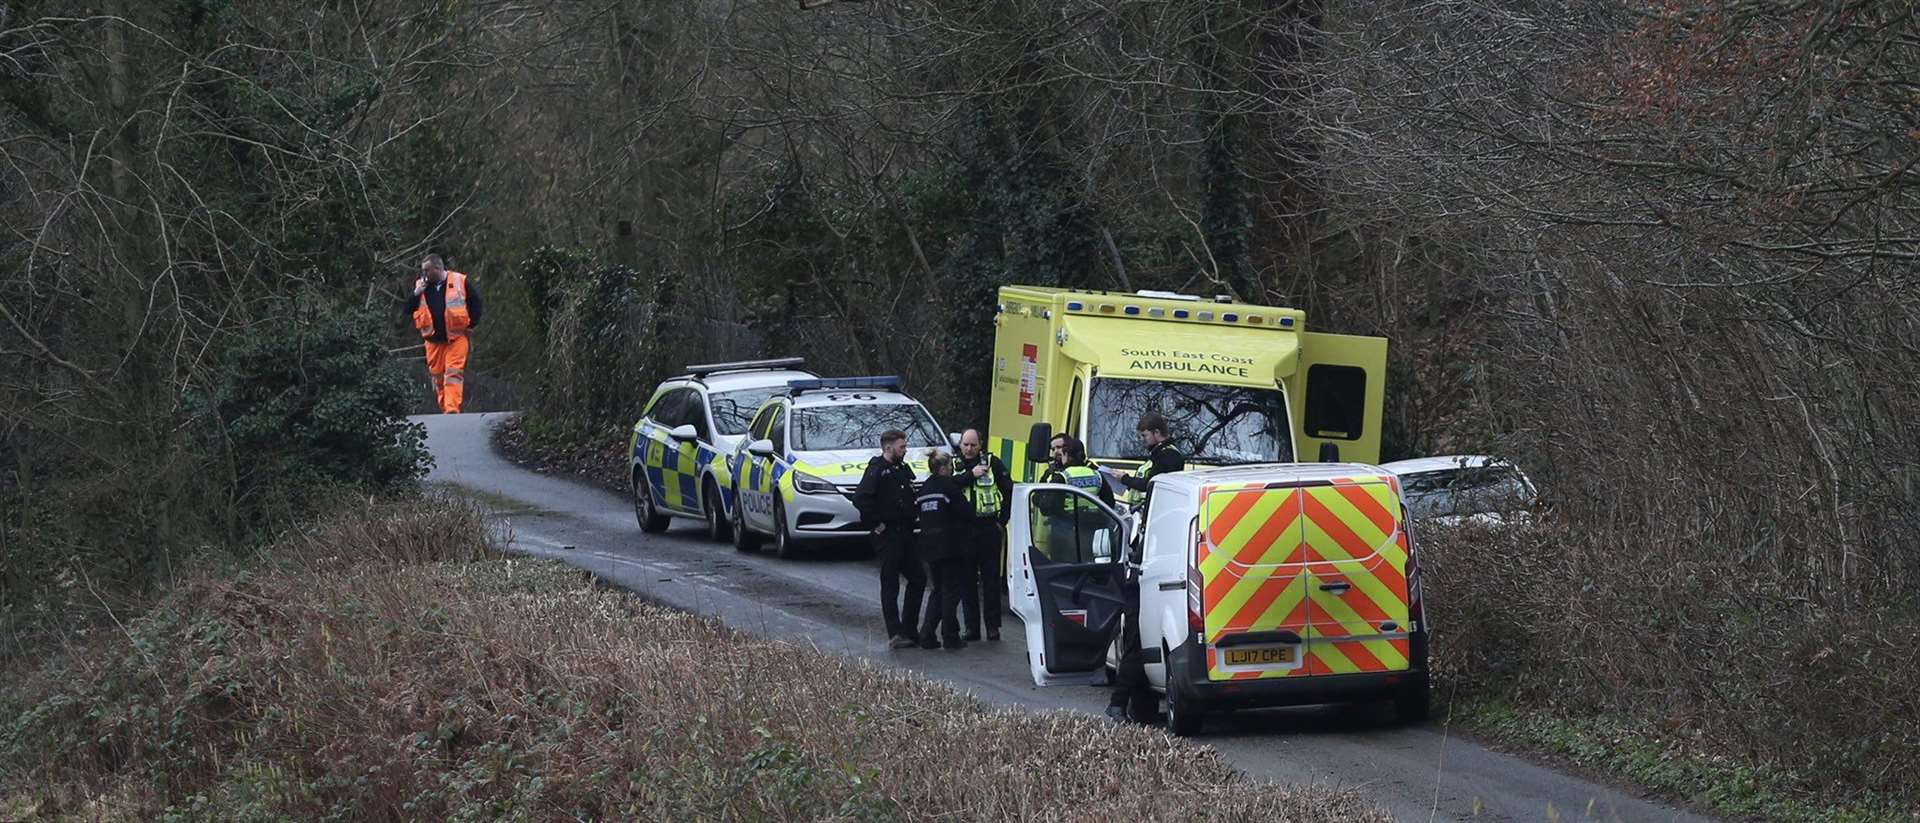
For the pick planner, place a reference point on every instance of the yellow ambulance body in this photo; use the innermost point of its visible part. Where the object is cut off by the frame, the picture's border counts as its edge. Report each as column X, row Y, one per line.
column 1239, row 383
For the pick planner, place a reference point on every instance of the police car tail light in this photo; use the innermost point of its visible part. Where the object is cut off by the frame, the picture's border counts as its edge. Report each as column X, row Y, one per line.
column 808, row 484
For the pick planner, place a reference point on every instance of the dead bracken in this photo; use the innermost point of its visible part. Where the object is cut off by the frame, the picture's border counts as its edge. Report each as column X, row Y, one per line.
column 361, row 673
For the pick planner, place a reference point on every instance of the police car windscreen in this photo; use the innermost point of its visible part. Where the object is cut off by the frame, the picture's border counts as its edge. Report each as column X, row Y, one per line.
column 1212, row 424
column 829, row 428
column 733, row 410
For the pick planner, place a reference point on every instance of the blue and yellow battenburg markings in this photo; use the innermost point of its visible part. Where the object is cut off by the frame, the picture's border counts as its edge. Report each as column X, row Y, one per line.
column 673, row 469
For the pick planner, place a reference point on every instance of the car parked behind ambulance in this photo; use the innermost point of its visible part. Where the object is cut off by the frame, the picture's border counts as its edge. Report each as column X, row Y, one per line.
column 1260, row 585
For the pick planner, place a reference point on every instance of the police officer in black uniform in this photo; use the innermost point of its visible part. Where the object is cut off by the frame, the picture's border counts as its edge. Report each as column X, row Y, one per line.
column 885, row 498
column 988, row 486
column 1162, row 456
column 1130, row 684
column 946, row 537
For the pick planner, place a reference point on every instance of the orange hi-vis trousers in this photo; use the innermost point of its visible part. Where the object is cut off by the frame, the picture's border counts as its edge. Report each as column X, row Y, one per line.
column 447, row 364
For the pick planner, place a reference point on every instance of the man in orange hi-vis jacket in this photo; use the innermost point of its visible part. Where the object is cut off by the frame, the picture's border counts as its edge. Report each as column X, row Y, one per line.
column 445, row 307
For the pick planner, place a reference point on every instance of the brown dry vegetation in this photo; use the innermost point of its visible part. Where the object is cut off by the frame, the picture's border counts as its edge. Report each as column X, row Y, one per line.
column 1683, row 660
column 389, row 664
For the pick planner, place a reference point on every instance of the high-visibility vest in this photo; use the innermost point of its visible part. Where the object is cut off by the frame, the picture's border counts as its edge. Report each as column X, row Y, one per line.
column 456, row 310
column 983, row 491
column 1084, row 477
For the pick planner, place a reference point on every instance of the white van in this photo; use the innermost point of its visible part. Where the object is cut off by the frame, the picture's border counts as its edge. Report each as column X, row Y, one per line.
column 1260, row 585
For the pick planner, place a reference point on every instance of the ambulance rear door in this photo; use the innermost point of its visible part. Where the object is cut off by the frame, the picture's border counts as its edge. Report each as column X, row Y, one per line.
column 1068, row 555
column 1341, row 386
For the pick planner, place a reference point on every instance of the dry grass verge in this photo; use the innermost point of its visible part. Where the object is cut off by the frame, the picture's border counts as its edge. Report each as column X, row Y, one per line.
column 1686, row 676
column 385, row 665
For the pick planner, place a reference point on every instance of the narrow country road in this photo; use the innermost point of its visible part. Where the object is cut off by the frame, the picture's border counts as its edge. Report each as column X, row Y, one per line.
column 1421, row 773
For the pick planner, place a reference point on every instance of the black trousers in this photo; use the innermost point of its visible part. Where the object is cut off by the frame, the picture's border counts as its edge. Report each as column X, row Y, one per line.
column 986, row 578
column 1130, row 682
column 949, row 584
column 897, row 560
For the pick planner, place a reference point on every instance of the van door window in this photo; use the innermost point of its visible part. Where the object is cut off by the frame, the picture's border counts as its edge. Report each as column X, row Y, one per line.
column 1336, row 401
column 1070, row 527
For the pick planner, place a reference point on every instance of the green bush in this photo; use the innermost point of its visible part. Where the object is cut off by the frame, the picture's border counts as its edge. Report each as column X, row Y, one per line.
column 318, row 402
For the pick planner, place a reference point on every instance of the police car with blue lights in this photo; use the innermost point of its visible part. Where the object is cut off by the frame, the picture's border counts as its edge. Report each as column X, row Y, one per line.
column 805, row 451
column 682, row 446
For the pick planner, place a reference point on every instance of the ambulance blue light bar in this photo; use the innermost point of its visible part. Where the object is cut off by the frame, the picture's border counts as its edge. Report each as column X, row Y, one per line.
column 887, row 383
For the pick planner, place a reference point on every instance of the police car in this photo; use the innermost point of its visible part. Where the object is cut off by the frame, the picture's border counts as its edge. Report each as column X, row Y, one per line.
column 795, row 474
column 681, row 446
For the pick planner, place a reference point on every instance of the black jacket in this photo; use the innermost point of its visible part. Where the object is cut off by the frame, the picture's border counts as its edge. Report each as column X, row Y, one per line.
column 885, row 495
column 1163, row 459
column 945, row 520
column 436, row 297
column 964, row 474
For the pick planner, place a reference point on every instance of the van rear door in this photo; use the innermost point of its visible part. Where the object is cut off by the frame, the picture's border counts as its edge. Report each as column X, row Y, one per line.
column 1066, row 580
column 1250, row 569
column 1355, row 544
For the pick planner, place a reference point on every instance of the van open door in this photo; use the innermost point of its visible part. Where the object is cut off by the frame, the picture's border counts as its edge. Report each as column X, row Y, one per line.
column 1069, row 553
column 1342, row 384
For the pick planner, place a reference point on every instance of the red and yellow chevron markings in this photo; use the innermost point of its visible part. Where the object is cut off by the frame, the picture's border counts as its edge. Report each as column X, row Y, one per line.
column 1327, row 562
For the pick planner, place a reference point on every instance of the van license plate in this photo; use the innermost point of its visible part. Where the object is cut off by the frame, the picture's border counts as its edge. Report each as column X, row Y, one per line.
column 1261, row 656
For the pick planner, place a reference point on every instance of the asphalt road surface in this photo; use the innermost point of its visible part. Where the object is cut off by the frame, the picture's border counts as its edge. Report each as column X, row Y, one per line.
column 832, row 602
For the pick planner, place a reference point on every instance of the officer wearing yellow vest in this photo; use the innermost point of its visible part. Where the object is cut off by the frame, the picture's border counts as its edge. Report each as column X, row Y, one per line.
column 1071, row 467
column 445, row 307
column 987, row 485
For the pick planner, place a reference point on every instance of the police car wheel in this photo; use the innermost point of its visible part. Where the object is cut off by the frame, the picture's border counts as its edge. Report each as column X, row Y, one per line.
column 783, row 544
column 743, row 538
column 717, row 526
column 651, row 521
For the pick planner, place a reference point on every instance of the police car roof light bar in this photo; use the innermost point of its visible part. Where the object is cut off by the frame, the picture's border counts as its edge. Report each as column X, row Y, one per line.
column 887, row 383
column 704, row 369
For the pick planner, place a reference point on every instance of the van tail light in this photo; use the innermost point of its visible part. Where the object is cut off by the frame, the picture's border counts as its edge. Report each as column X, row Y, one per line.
column 1416, row 612
column 1196, row 603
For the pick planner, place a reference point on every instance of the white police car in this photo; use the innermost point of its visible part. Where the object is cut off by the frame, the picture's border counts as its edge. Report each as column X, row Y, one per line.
column 693, row 424
column 805, row 452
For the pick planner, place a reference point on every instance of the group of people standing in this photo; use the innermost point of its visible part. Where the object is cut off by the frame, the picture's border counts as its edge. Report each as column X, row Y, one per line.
column 961, row 514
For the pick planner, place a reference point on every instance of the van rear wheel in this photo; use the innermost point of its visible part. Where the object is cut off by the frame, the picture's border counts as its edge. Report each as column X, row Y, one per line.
column 1184, row 716
column 1410, row 704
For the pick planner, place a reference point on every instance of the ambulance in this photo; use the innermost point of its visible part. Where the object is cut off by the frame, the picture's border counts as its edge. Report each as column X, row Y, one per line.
column 1240, row 383
column 795, row 473
column 1260, row 586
